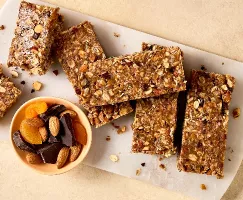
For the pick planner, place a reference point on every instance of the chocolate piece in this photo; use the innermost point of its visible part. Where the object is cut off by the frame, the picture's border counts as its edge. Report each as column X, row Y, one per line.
column 53, row 139
column 67, row 134
column 52, row 111
column 50, row 152
column 21, row 144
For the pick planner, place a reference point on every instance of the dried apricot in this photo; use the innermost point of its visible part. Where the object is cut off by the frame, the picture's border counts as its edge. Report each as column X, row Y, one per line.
column 35, row 109
column 29, row 132
column 80, row 133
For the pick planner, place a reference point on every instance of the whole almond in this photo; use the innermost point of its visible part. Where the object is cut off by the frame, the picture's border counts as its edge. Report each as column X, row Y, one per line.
column 43, row 133
column 33, row 158
column 62, row 157
column 72, row 113
column 54, row 126
column 74, row 152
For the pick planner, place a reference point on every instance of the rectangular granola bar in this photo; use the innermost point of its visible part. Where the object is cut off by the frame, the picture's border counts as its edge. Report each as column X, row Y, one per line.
column 155, row 121
column 206, row 123
column 34, row 37
column 77, row 47
column 8, row 93
column 140, row 75
column 155, row 124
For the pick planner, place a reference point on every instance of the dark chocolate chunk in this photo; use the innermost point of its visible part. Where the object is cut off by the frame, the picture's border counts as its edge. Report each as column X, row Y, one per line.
column 67, row 134
column 55, row 72
column 53, row 139
column 32, row 91
column 143, row 164
column 22, row 82
column 21, row 144
column 52, row 111
column 50, row 152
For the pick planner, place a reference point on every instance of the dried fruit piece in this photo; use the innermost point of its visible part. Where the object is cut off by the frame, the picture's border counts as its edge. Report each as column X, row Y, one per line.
column 138, row 171
column 37, row 85
column 54, row 126
column 236, row 113
column 162, row 166
column 52, row 111
column 62, row 157
column 72, row 113
column 43, row 133
column 74, row 152
column 114, row 158
column 30, row 133
column 68, row 137
column 35, row 109
column 50, row 152
column 80, row 133
column 33, row 158
column 20, row 143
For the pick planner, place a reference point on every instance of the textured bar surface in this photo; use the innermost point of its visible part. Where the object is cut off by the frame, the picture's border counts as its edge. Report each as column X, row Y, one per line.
column 206, row 123
column 34, row 37
column 77, row 47
column 140, row 75
column 8, row 93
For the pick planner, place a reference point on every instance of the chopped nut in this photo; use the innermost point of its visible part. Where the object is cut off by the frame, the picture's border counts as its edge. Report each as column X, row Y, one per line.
column 161, row 158
column 143, row 164
column 38, row 28
column 122, row 130
column 196, row 104
column 14, row 74
column 203, row 187
column 162, row 166
column 71, row 63
column 192, row 157
column 108, row 138
column 114, row 125
column 37, row 85
column 138, row 171
column 114, row 158
column 236, row 113
column 224, row 87
column 83, row 68
column 116, row 34
column 2, row 89
column 2, row 27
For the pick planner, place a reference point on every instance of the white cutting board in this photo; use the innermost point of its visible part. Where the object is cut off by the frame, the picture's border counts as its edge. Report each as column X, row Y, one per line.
column 129, row 42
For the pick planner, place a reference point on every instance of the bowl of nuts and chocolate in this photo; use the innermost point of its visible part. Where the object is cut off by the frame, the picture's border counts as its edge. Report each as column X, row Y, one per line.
column 50, row 135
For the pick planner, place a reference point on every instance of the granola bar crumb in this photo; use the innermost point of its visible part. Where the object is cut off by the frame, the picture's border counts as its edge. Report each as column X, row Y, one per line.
column 143, row 164
column 162, row 166
column 203, row 187
column 2, row 27
column 14, row 74
column 108, row 138
column 122, row 130
column 138, row 171
column 222, row 63
column 114, row 125
column 37, row 85
column 55, row 72
column 161, row 158
column 116, row 34
column 114, row 158
column 236, row 113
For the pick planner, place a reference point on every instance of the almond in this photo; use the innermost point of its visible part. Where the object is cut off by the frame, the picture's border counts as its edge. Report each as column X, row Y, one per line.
column 43, row 133
column 62, row 157
column 54, row 126
column 74, row 152
column 33, row 158
column 72, row 113
column 14, row 74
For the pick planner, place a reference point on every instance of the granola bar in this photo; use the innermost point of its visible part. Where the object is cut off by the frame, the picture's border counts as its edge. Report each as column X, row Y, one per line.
column 34, row 37
column 140, row 75
column 155, row 121
column 155, row 124
column 77, row 47
column 206, row 123
column 8, row 93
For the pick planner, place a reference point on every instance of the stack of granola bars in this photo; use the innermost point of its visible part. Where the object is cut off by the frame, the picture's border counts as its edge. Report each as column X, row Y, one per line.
column 152, row 77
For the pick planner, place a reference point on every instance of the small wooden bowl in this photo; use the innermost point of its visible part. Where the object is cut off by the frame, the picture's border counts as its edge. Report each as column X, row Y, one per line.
column 51, row 169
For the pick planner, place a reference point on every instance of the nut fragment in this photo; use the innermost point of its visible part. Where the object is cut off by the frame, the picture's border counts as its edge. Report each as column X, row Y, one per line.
column 196, row 104
column 236, row 113
column 122, row 130
column 224, row 87
column 43, row 133
column 38, row 28
column 33, row 158
column 14, row 74
column 138, row 171
column 72, row 113
column 54, row 126
column 74, row 152
column 203, row 187
column 37, row 85
column 192, row 157
column 62, row 157
column 114, row 158
column 2, row 89
column 83, row 68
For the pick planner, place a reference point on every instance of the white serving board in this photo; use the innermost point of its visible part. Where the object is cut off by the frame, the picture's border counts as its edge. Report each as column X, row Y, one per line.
column 129, row 42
